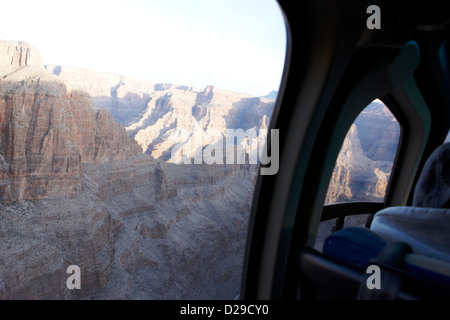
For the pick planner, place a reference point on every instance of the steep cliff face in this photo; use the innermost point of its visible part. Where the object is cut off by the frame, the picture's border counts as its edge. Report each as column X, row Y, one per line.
column 75, row 189
column 175, row 117
column 15, row 55
column 356, row 177
column 124, row 97
column 48, row 132
column 39, row 154
column 378, row 131
column 163, row 116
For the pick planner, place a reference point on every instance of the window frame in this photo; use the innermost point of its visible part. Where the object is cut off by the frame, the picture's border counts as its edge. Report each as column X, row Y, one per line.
column 287, row 206
column 401, row 95
column 341, row 210
column 383, row 200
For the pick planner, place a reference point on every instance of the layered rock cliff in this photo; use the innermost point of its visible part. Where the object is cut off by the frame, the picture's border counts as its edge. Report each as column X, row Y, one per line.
column 15, row 55
column 76, row 190
column 140, row 229
column 124, row 97
column 48, row 132
column 161, row 116
column 182, row 229
column 365, row 161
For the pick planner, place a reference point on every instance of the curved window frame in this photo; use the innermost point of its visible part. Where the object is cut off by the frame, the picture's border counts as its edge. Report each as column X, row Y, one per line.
column 401, row 95
column 394, row 156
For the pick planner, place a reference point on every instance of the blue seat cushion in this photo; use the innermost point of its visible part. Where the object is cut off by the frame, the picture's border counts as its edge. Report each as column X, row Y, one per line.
column 353, row 246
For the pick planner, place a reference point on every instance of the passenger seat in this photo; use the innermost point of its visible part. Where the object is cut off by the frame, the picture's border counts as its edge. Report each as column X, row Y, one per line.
column 426, row 225
column 408, row 242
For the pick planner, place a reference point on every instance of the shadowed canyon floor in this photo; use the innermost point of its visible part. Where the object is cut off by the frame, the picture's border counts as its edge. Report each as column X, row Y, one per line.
column 140, row 229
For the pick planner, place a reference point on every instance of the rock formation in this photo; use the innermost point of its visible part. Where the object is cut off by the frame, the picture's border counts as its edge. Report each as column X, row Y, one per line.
column 48, row 132
column 124, row 97
column 378, row 131
column 140, row 229
column 160, row 116
column 365, row 161
column 75, row 189
column 15, row 55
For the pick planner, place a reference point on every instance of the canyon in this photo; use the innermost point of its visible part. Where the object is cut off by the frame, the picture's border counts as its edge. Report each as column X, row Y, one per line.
column 87, row 179
column 160, row 116
column 78, row 190
column 366, row 157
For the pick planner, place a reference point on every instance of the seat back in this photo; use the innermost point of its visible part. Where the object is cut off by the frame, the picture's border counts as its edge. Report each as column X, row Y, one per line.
column 424, row 228
column 426, row 225
column 433, row 187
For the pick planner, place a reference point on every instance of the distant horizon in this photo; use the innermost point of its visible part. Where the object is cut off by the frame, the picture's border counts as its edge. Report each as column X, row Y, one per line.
column 267, row 95
column 231, row 44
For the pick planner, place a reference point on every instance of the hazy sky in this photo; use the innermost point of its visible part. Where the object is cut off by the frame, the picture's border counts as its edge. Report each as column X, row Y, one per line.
column 233, row 44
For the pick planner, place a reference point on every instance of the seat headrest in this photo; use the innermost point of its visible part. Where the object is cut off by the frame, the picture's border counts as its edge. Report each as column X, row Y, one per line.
column 433, row 187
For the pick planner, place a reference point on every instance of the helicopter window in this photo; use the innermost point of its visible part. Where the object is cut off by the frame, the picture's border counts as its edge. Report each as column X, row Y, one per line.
column 363, row 167
column 365, row 161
